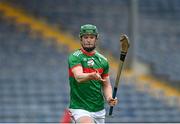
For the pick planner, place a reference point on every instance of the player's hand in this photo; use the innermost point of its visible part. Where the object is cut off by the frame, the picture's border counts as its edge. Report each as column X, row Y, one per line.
column 96, row 76
column 99, row 77
column 112, row 102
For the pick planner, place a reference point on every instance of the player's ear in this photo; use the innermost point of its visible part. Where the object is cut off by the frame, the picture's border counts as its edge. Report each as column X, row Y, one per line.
column 81, row 42
column 97, row 39
column 80, row 38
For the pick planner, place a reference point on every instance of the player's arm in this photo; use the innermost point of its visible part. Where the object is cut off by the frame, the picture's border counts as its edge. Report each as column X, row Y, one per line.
column 83, row 77
column 107, row 89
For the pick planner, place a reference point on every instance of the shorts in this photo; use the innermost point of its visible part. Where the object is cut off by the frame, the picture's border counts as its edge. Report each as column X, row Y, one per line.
column 98, row 117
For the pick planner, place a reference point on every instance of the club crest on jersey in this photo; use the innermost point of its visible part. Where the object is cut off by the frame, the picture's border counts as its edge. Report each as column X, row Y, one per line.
column 90, row 62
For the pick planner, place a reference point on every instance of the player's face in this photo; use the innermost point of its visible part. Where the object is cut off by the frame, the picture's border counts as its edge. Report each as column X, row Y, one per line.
column 88, row 42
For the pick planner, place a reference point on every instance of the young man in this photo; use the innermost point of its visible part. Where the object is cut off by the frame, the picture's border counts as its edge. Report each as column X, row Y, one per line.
column 89, row 80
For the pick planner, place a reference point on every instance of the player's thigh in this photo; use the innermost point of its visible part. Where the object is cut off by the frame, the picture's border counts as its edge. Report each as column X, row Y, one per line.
column 85, row 119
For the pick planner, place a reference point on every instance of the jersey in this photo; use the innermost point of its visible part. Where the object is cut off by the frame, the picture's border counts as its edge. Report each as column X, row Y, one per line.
column 87, row 95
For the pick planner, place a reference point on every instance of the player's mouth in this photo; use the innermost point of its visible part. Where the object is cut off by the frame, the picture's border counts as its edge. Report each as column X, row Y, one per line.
column 88, row 44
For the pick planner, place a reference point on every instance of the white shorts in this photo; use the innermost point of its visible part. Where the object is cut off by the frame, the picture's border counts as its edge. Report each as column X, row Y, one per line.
column 98, row 117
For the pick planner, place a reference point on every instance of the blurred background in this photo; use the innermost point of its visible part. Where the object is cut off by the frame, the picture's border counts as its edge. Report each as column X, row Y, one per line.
column 36, row 37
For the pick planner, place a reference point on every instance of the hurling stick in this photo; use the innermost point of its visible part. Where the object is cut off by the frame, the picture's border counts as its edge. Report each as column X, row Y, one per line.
column 124, row 45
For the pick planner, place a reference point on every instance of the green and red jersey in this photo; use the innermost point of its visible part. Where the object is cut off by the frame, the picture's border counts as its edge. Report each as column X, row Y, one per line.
column 87, row 95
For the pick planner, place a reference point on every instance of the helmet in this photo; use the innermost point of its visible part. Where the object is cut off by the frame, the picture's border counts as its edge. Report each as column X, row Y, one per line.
column 88, row 29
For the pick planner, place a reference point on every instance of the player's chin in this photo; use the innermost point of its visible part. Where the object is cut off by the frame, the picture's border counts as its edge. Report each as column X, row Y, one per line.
column 88, row 46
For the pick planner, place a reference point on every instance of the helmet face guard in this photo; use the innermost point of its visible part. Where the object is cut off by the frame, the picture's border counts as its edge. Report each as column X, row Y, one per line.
column 88, row 29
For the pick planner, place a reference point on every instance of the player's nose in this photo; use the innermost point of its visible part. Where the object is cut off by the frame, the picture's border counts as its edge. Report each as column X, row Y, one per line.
column 88, row 40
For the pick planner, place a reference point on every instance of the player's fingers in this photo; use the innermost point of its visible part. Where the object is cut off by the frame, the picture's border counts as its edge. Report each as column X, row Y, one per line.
column 96, row 70
column 95, row 75
column 98, row 76
column 113, row 102
column 102, row 80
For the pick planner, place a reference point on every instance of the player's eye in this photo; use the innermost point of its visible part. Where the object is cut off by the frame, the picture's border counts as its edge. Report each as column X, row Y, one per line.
column 85, row 37
column 92, row 37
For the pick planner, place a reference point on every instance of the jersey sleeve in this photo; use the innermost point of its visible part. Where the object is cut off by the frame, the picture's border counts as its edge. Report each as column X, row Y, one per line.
column 106, row 70
column 73, row 61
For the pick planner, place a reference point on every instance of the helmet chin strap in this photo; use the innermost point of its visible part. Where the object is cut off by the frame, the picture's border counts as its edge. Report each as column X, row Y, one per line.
column 89, row 49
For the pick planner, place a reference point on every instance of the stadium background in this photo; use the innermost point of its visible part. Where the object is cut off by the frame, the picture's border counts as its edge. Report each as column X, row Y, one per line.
column 36, row 37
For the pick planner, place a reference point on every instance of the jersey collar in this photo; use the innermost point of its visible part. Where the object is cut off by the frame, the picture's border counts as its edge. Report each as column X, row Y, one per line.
column 88, row 53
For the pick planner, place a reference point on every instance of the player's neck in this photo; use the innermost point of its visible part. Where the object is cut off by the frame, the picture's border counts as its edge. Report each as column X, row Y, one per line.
column 88, row 53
